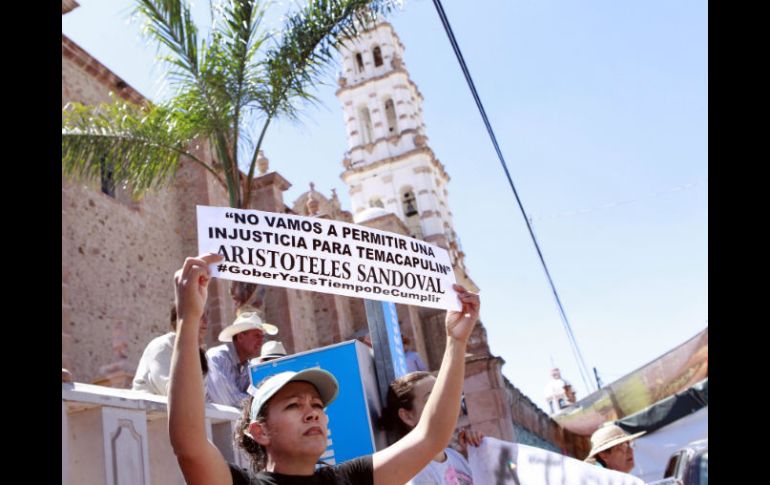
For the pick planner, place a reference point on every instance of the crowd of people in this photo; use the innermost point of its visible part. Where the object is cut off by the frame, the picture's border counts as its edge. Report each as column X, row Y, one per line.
column 283, row 426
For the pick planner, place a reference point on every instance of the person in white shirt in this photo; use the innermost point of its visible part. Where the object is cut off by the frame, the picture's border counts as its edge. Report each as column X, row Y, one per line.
column 556, row 395
column 153, row 371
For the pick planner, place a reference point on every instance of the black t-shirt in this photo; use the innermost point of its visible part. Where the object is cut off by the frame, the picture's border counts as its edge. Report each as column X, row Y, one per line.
column 358, row 471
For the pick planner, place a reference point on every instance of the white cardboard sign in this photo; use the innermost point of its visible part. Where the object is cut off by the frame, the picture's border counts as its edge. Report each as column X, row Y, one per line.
column 309, row 253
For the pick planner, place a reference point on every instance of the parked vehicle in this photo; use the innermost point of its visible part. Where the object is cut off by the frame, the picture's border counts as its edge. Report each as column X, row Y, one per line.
column 687, row 466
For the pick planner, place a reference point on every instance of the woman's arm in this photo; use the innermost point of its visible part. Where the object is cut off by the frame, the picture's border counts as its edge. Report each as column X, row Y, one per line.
column 402, row 460
column 201, row 462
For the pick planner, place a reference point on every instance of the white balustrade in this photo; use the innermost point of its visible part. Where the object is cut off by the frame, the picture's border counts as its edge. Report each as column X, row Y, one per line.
column 120, row 437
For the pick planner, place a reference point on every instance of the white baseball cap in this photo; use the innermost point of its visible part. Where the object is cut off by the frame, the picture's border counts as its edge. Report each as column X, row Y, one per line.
column 324, row 382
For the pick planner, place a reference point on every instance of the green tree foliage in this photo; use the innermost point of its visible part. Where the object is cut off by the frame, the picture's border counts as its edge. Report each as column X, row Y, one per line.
column 227, row 88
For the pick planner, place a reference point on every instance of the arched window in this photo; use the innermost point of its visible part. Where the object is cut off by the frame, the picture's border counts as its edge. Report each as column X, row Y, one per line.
column 409, row 204
column 376, row 202
column 411, row 212
column 390, row 116
column 359, row 62
column 366, row 124
column 107, row 175
column 377, row 56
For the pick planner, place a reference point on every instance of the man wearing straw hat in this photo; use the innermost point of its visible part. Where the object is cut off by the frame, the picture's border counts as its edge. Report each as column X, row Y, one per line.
column 228, row 363
column 271, row 350
column 611, row 448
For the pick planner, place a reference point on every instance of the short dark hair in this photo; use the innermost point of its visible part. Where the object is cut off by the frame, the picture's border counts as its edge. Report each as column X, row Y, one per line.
column 204, row 361
column 172, row 316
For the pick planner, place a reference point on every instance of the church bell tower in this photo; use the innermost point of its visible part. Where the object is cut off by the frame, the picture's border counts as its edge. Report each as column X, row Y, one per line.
column 388, row 163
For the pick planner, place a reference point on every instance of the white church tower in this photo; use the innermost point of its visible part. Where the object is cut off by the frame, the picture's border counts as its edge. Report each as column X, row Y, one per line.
column 388, row 163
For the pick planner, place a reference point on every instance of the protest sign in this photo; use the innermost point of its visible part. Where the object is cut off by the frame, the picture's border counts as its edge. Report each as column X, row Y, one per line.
column 503, row 462
column 328, row 256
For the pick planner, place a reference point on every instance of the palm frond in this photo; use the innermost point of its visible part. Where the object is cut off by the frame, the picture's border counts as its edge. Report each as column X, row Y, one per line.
column 228, row 88
column 238, row 32
column 140, row 146
column 169, row 22
column 296, row 64
column 307, row 46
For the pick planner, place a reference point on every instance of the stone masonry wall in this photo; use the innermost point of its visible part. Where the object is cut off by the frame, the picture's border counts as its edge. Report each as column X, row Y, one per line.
column 118, row 255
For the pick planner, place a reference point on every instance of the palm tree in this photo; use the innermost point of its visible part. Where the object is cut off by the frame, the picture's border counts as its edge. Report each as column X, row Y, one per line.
column 227, row 90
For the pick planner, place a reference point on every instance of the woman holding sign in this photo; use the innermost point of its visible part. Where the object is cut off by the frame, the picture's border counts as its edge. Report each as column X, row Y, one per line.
column 285, row 427
column 408, row 398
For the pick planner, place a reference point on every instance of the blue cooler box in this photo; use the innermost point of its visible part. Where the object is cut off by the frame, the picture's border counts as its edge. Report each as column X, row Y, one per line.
column 353, row 415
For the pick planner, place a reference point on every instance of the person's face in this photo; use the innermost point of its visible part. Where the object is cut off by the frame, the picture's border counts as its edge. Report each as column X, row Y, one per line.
column 405, row 342
column 296, row 424
column 249, row 343
column 619, row 457
column 421, row 393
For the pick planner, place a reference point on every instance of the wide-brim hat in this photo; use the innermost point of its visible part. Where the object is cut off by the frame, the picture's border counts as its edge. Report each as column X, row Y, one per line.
column 607, row 436
column 272, row 349
column 324, row 382
column 246, row 321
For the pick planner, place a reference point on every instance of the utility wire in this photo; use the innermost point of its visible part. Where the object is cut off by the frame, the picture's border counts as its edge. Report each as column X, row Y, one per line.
column 584, row 374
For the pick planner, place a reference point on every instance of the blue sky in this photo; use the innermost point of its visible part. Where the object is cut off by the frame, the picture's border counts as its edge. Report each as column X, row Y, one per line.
column 601, row 111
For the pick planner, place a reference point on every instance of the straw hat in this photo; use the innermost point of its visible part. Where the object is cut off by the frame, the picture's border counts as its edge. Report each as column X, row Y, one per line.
column 272, row 349
column 607, row 436
column 246, row 321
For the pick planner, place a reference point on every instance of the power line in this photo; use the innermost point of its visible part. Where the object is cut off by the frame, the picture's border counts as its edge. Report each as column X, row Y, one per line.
column 584, row 374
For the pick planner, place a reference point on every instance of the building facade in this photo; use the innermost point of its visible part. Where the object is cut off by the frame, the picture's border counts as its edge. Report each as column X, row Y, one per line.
column 118, row 254
column 390, row 165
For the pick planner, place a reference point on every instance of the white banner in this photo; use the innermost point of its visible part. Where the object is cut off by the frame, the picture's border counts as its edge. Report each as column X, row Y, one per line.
column 323, row 255
column 501, row 462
